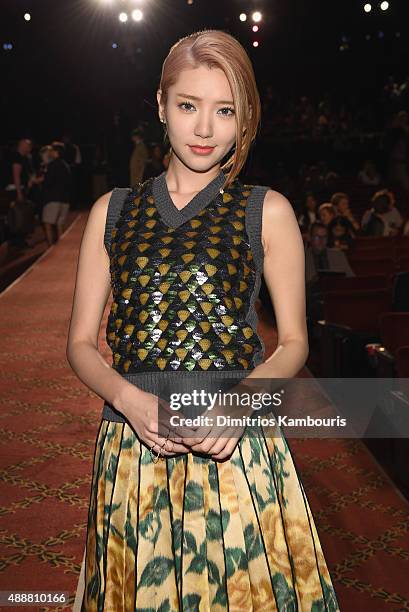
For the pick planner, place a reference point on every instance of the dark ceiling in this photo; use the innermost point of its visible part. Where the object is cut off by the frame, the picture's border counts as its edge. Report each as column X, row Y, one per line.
column 63, row 68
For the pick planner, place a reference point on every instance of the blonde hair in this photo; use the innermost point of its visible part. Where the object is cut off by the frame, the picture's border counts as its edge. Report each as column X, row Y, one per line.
column 215, row 48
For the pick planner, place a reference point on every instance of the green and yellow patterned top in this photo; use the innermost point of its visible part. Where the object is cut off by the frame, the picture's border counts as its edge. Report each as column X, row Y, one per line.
column 184, row 281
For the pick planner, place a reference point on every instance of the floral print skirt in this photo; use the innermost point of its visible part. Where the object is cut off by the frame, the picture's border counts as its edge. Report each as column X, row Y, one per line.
column 194, row 534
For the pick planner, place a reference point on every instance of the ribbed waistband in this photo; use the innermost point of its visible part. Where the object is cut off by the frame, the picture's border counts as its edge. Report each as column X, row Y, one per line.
column 163, row 383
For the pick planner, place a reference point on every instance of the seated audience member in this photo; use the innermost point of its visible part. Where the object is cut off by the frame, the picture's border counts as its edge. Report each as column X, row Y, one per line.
column 405, row 231
column 320, row 257
column 308, row 214
column 341, row 203
column 339, row 229
column 326, row 213
column 392, row 218
column 369, row 174
column 372, row 220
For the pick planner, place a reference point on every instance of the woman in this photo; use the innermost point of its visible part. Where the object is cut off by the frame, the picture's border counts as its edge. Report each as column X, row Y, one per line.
column 197, row 520
column 308, row 213
column 341, row 202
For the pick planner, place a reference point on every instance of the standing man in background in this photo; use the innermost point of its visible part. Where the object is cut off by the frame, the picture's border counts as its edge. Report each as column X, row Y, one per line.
column 21, row 169
column 21, row 213
column 57, row 186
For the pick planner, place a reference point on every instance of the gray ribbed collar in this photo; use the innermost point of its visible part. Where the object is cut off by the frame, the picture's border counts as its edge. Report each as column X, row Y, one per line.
column 167, row 209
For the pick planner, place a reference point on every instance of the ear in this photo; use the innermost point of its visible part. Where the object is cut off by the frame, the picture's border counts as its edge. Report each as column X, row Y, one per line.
column 160, row 107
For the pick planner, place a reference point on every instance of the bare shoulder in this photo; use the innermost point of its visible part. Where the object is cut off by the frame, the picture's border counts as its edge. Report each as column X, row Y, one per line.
column 96, row 222
column 100, row 206
column 98, row 214
column 279, row 219
column 276, row 206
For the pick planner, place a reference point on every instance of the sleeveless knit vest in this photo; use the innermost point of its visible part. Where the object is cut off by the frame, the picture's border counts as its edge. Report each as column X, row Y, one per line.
column 184, row 282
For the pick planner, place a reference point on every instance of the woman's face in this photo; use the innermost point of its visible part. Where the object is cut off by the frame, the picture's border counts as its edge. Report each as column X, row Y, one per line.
column 343, row 205
column 325, row 216
column 200, row 112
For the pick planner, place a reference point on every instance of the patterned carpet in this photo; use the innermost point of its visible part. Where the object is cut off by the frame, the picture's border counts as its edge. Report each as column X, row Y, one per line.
column 49, row 421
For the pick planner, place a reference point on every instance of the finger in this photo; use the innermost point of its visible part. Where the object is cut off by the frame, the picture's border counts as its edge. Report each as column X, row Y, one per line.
column 226, row 444
column 164, row 405
column 155, row 445
column 205, row 446
column 227, row 451
column 218, row 446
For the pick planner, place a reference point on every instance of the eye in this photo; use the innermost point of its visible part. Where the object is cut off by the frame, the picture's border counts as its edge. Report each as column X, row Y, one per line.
column 227, row 108
column 183, row 104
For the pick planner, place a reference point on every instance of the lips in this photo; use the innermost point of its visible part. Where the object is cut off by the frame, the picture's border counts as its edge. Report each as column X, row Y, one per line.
column 201, row 150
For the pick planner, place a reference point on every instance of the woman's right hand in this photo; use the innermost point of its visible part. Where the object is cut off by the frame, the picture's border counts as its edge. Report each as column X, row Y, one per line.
column 152, row 424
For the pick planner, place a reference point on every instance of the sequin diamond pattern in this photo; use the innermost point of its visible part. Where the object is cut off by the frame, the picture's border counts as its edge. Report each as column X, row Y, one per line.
column 181, row 295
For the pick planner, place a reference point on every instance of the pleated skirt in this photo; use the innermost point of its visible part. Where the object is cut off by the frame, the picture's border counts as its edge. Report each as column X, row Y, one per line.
column 194, row 534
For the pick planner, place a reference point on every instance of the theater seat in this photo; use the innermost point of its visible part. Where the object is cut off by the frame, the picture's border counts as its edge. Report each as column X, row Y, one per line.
column 402, row 363
column 394, row 333
column 394, row 330
column 374, row 265
column 355, row 283
column 359, row 310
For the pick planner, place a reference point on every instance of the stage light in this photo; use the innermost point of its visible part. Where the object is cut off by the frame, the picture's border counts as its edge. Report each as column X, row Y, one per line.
column 384, row 6
column 27, row 16
column 115, row 45
column 123, row 17
column 243, row 16
column 368, row 7
column 7, row 46
column 190, row 2
column 256, row 16
column 137, row 15
column 255, row 43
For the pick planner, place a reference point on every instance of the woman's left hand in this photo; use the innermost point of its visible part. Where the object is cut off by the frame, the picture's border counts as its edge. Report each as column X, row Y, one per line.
column 212, row 440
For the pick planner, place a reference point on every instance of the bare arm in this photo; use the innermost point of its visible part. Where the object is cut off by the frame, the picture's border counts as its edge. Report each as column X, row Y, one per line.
column 92, row 289
column 284, row 273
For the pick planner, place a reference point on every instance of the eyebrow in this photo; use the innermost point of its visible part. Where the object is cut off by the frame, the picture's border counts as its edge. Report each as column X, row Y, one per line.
column 200, row 99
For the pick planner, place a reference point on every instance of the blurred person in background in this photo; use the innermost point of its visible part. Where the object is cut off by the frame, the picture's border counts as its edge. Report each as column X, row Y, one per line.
column 392, row 218
column 72, row 155
column 57, row 185
column 155, row 166
column 21, row 170
column 372, row 220
column 309, row 213
column 369, row 174
column 138, row 158
column 319, row 257
column 21, row 211
column 341, row 202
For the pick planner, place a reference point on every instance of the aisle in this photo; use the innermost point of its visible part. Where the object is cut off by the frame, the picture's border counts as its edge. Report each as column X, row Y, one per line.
column 49, row 424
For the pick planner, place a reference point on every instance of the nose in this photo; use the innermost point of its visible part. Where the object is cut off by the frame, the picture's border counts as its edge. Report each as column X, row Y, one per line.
column 204, row 124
